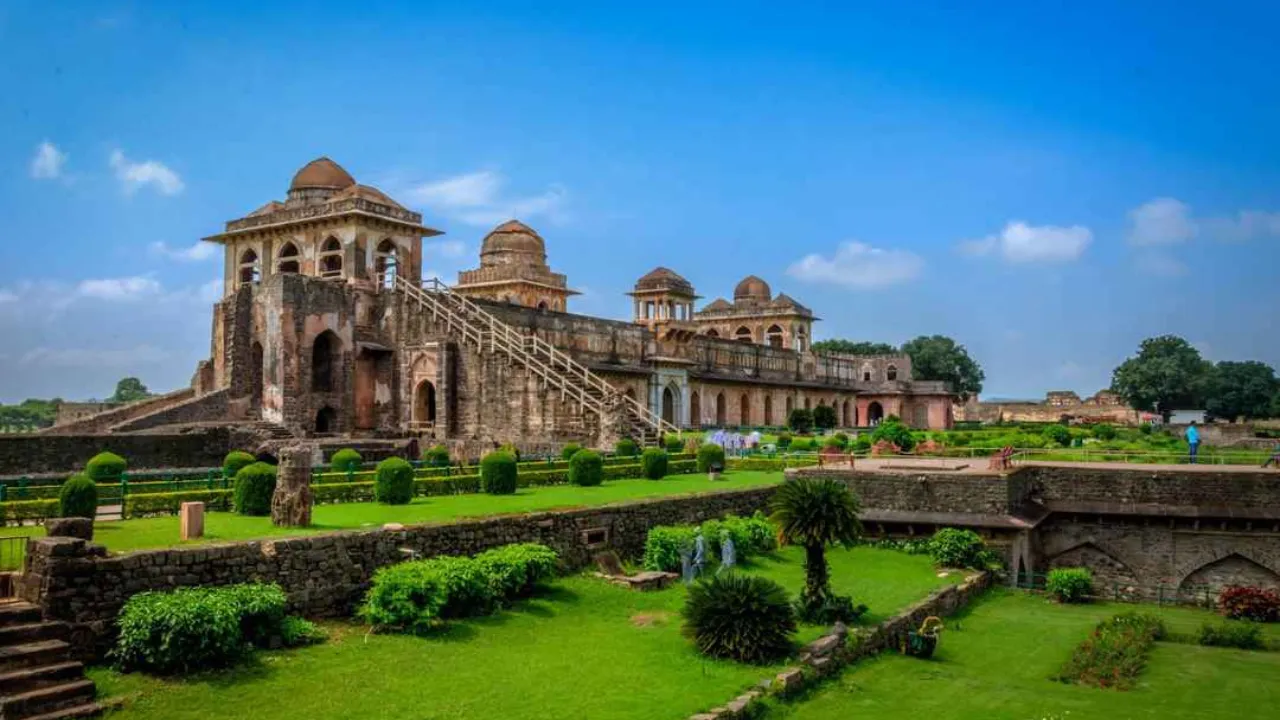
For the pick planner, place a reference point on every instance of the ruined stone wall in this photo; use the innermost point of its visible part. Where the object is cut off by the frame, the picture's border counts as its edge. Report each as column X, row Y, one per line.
column 214, row 406
column 104, row 421
column 1172, row 491
column 29, row 454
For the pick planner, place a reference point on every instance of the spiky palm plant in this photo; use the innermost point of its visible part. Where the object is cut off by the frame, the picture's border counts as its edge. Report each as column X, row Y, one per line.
column 742, row 617
column 815, row 513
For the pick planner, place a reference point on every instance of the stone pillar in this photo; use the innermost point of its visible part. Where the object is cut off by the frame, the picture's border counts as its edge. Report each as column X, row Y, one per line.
column 191, row 520
column 613, row 423
column 291, row 503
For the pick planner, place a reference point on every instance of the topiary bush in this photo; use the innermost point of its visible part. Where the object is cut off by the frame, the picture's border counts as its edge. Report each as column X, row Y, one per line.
column 345, row 460
column 568, row 451
column 710, row 454
column 800, row 421
column 78, row 497
column 784, row 440
column 824, row 417
column 740, row 617
column 653, row 463
column 1069, row 585
column 515, row 570
column 498, row 473
column 512, row 450
column 393, row 482
column 254, row 486
column 235, row 460
column 673, row 444
column 1231, row 633
column 1244, row 602
column 436, row 456
column 105, row 467
column 894, row 431
column 626, row 447
column 956, row 548
column 1057, row 434
column 586, row 468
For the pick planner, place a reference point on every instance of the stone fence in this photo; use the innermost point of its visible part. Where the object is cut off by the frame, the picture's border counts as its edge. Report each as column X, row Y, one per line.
column 34, row 454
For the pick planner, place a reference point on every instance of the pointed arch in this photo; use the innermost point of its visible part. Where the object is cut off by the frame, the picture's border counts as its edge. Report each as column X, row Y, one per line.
column 720, row 414
column 331, row 257
column 287, row 262
column 386, row 263
column 326, row 420
column 768, row 409
column 891, row 372
column 775, row 336
column 744, row 410
column 250, row 267
column 695, row 409
column 1232, row 569
column 326, row 352
column 875, row 413
column 743, row 334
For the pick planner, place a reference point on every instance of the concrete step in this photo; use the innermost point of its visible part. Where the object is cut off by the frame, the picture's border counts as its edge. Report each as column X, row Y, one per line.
column 47, row 700
column 31, row 632
column 18, row 613
column 88, row 710
column 34, row 678
column 43, row 652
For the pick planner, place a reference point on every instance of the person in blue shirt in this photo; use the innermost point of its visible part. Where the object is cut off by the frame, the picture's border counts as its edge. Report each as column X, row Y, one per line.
column 1275, row 457
column 1193, row 440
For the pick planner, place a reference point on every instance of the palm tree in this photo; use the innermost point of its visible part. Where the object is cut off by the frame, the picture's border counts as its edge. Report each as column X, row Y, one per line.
column 815, row 513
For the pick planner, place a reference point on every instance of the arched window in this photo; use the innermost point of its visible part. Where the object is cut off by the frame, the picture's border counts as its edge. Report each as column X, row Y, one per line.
column 695, row 409
column 806, row 404
column 743, row 334
column 386, row 263
column 866, row 372
column 331, row 258
column 720, row 410
column 744, row 410
column 775, row 336
column 326, row 420
column 424, row 404
column 712, row 333
column 768, row 409
column 288, row 260
column 250, row 268
column 324, row 361
column 542, row 304
column 802, row 339
column 846, row 420
column 791, row 405
column 891, row 372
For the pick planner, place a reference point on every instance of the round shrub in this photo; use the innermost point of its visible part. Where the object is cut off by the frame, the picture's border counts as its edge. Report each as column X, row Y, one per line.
column 568, row 451
column 626, row 447
column 833, row 442
column 824, row 416
column 235, row 460
column 345, row 460
column 893, row 430
column 78, row 498
column 673, row 444
column 105, row 467
column 586, row 468
column 800, row 420
column 654, row 463
column 740, row 617
column 1104, row 431
column 511, row 450
column 254, row 486
column 393, row 482
column 710, row 454
column 955, row 548
column 784, row 440
column 842, row 438
column 436, row 456
column 1069, row 585
column 498, row 473
column 1058, row 434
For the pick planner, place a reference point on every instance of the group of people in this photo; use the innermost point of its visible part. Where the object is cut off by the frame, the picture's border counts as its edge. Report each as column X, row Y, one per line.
column 735, row 443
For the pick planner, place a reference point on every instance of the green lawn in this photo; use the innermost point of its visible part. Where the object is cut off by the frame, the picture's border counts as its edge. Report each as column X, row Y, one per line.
column 586, row 649
column 996, row 663
column 124, row 535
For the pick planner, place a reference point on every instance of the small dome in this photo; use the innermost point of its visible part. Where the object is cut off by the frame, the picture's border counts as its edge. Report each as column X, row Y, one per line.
column 661, row 278
column 322, row 173
column 752, row 288
column 510, row 240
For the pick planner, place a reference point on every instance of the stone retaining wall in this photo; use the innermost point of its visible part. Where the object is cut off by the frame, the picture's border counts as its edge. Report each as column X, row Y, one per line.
column 35, row 453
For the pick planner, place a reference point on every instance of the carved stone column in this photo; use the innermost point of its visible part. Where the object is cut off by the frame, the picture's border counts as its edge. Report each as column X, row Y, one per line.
column 291, row 503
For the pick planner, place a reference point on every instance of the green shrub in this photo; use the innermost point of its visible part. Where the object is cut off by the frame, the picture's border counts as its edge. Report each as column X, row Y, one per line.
column 740, row 617
column 468, row 591
column 673, row 444
column 1115, row 653
column 842, row 438
column 1231, row 633
column 833, row 442
column 174, row 632
column 800, row 421
column 498, row 473
column 515, row 570
column 405, row 597
column 784, row 440
column 512, row 450
column 956, row 548
column 18, row 512
column 803, row 444
column 393, row 484
column 1104, row 431
column 586, row 468
column 663, row 544
column 654, row 463
column 626, row 447
column 893, row 430
column 710, row 454
column 297, row 632
column 105, row 467
column 862, row 444
column 568, row 451
column 1058, row 434
column 79, row 497
column 151, row 504
column 1145, row 428
column 1069, row 585
column 436, row 456
column 261, row 610
column 824, row 416
column 235, row 460
column 345, row 460
column 255, row 484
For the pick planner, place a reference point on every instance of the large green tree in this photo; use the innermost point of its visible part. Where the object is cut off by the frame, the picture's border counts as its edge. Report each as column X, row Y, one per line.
column 1241, row 389
column 850, row 347
column 1167, row 374
column 938, row 357
column 130, row 389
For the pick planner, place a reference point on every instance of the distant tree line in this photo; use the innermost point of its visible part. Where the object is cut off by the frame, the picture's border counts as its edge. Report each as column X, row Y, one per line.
column 933, row 357
column 1169, row 374
column 33, row 413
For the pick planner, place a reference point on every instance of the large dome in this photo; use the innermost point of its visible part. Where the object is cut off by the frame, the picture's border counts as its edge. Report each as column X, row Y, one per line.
column 661, row 278
column 322, row 173
column 752, row 288
column 512, row 242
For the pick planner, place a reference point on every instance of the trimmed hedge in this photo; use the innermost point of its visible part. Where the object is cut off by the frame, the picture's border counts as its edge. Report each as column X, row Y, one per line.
column 515, row 570
column 255, row 484
column 673, row 444
column 765, row 464
column 394, row 483
column 568, row 451
column 153, row 504
column 234, row 461
column 105, row 466
column 19, row 511
column 586, row 468
column 709, row 454
column 345, row 460
column 626, row 447
column 498, row 473
column 653, row 462
column 437, row 456
column 78, row 498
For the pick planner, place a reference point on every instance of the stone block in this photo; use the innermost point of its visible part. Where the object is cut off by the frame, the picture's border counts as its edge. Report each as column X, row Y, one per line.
column 69, row 527
column 191, row 520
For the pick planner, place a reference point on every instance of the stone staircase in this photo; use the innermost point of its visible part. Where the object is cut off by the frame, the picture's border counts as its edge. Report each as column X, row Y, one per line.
column 555, row 369
column 38, row 678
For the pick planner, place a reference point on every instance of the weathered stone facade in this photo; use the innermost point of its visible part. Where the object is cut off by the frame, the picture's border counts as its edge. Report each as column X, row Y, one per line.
column 1104, row 406
column 33, row 454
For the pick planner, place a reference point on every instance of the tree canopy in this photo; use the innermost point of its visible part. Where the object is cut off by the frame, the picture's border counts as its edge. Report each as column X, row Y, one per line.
column 1241, row 389
column 130, row 389
column 938, row 357
column 1167, row 374
column 850, row 347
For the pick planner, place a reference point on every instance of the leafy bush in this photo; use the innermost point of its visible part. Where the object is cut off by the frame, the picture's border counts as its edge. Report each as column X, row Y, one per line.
column 824, row 416
column 710, row 454
column 1145, row 428
column 802, row 444
column 833, row 443
column 393, row 483
column 893, row 430
column 663, row 544
column 862, row 444
column 511, row 450
column 405, row 597
column 436, row 456
column 1115, row 653
column 567, row 452
column 654, row 463
column 297, row 632
column 828, row 608
column 784, row 440
column 750, row 535
column 586, row 468
column 468, row 591
column 345, row 460
column 1058, row 434
column 235, row 460
column 842, row 438
column 1243, row 602
column 626, row 447
column 740, row 617
column 1231, row 633
column 498, row 473
column 952, row 547
column 514, row 570
column 261, row 610
column 105, row 467
column 1104, row 431
column 1069, row 585
column 255, row 484
column 800, row 421
column 673, row 444
column 78, row 498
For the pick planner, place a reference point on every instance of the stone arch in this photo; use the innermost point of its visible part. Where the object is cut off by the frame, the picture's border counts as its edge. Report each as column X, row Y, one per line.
column 671, row 404
column 768, row 409
column 807, row 404
column 875, row 413
column 1232, row 569
column 288, row 261
column 386, row 263
column 326, row 351
column 791, row 405
column 1113, row 578
column 867, row 370
column 775, row 336
column 802, row 339
column 326, row 420
column 542, row 305
column 424, row 404
column 720, row 419
column 695, row 409
column 744, row 410
column 331, row 257
column 712, row 333
column 250, row 267
column 743, row 334
column 847, row 419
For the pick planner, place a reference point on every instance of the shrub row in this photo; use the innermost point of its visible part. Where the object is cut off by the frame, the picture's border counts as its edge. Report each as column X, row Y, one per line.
column 422, row 473
column 416, row 596
column 1232, row 633
column 766, row 464
column 1115, row 653
column 751, row 536
column 153, row 504
column 17, row 512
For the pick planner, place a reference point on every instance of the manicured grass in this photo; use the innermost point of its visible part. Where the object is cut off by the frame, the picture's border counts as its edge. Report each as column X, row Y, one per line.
column 586, row 649
column 995, row 665
column 124, row 535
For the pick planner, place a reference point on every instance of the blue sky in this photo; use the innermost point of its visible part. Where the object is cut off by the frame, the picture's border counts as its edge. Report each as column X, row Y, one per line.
column 1048, row 183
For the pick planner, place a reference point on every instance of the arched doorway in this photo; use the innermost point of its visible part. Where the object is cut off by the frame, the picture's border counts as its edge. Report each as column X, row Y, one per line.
column 288, row 262
column 744, row 410
column 668, row 405
column 326, row 420
column 791, row 405
column 768, row 409
column 424, row 404
column 386, row 263
column 743, row 334
column 695, row 410
column 258, row 371
column 875, row 413
column 806, row 404
column 324, row 364
column 846, row 418
column 720, row 410
column 775, row 336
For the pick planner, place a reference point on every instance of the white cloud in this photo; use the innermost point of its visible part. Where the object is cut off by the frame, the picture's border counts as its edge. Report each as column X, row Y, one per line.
column 48, row 161
column 445, row 248
column 94, row 357
column 476, row 199
column 7, row 296
column 1160, row 264
column 1019, row 242
column 1163, row 221
column 1246, row 225
column 196, row 252
column 126, row 288
column 141, row 174
column 859, row 266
